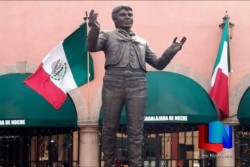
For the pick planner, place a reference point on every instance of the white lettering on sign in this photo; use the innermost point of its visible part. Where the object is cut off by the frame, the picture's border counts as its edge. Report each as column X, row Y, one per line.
column 17, row 122
column 180, row 118
column 167, row 118
column 12, row 122
column 2, row 122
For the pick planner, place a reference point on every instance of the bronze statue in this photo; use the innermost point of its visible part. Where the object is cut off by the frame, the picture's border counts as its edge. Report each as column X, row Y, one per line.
column 124, row 83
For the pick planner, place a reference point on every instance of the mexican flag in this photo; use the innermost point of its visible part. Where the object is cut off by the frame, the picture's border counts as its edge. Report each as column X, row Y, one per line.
column 65, row 68
column 220, row 78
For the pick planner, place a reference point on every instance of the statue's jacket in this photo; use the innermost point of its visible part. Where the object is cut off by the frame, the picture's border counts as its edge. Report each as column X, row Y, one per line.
column 122, row 48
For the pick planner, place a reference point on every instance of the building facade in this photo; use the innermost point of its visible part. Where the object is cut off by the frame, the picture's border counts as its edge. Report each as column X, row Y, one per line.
column 30, row 29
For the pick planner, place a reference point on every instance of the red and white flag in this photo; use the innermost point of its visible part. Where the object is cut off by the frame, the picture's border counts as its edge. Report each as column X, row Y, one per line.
column 65, row 68
column 220, row 78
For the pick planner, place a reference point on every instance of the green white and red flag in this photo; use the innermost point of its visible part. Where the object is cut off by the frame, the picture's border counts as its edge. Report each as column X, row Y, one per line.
column 66, row 67
column 220, row 77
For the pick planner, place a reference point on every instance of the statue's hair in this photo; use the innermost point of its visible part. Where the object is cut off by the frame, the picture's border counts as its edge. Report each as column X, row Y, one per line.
column 119, row 8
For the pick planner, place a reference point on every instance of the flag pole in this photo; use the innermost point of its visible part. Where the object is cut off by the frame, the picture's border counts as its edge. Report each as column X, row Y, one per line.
column 86, row 21
column 229, row 41
column 227, row 23
column 230, row 27
column 221, row 85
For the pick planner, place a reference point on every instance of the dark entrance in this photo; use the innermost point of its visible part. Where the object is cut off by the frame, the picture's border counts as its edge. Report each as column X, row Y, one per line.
column 38, row 147
column 242, row 146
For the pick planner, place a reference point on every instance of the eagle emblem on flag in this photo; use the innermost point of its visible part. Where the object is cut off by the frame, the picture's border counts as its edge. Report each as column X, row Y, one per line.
column 59, row 69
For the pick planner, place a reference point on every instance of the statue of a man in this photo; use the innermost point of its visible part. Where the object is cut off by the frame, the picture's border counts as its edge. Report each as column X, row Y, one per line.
column 124, row 83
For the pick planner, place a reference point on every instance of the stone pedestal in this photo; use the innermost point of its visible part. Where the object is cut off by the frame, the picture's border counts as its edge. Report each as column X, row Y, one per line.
column 89, row 146
column 226, row 158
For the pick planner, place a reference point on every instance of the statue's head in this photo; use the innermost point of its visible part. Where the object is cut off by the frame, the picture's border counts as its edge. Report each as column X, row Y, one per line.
column 122, row 16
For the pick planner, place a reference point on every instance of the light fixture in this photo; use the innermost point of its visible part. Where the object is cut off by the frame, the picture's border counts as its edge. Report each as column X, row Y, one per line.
column 231, row 25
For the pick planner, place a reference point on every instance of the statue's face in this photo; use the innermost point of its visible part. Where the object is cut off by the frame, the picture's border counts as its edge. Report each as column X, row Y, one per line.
column 124, row 19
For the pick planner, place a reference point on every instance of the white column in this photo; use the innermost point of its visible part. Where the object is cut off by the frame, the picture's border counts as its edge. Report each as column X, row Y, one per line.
column 89, row 146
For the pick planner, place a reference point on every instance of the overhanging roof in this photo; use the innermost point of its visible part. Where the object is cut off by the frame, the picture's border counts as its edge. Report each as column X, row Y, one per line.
column 21, row 106
column 244, row 108
column 175, row 98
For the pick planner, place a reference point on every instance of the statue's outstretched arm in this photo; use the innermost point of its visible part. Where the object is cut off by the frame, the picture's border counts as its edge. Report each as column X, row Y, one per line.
column 167, row 56
column 93, row 32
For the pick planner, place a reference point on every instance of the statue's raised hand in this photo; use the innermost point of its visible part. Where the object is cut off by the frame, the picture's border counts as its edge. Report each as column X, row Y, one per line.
column 176, row 46
column 93, row 19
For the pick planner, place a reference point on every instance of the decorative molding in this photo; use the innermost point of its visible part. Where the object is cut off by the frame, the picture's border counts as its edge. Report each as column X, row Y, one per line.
column 231, row 121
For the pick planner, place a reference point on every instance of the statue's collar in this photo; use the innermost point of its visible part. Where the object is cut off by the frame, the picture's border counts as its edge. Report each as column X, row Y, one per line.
column 126, row 33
